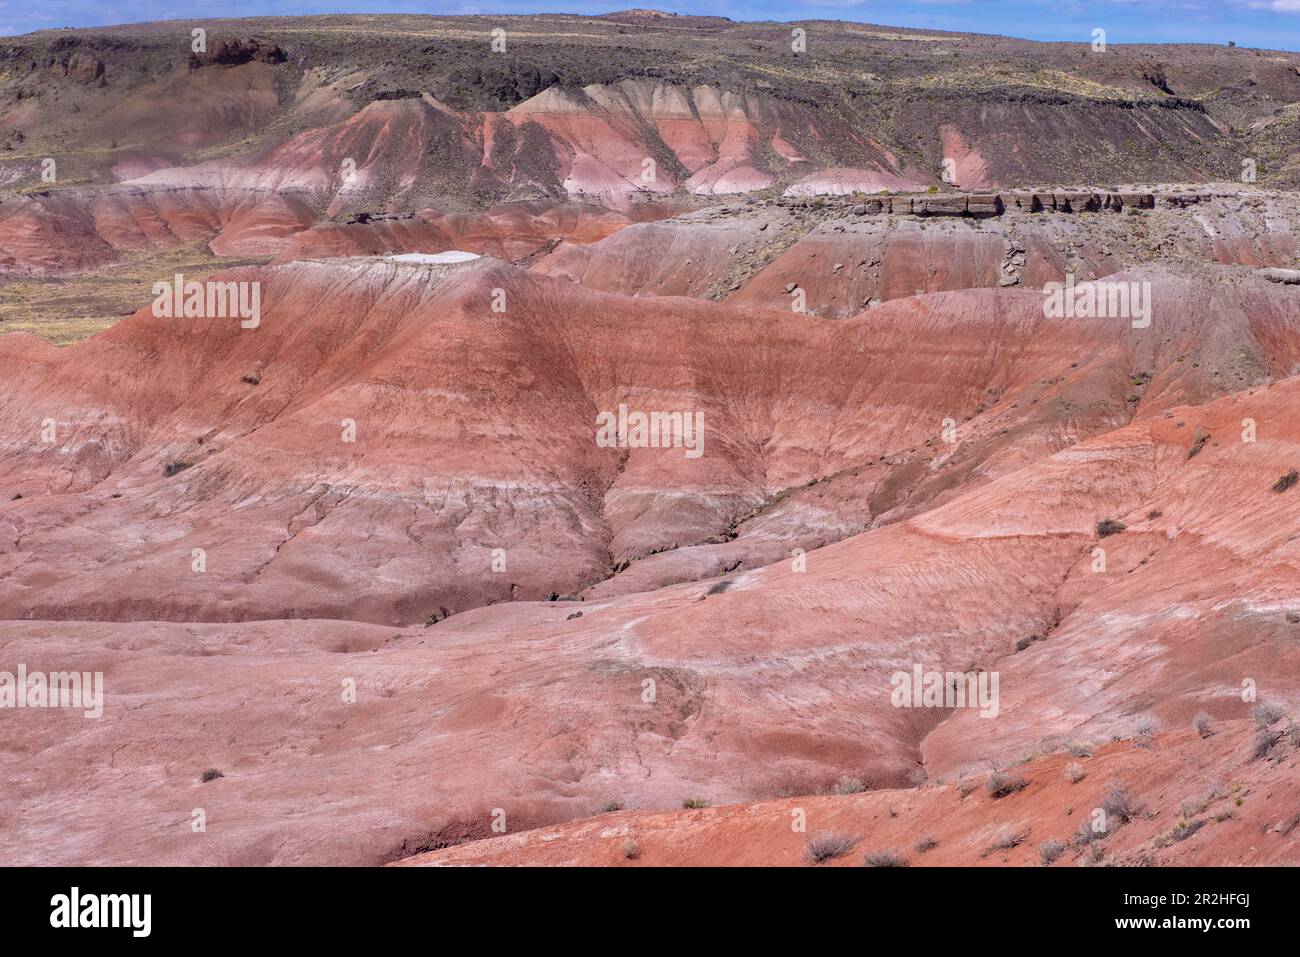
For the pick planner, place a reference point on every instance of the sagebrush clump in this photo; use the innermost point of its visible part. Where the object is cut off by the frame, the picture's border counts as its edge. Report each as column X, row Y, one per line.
column 1120, row 803
column 1049, row 851
column 848, row 785
column 825, row 847
column 884, row 859
column 1000, row 784
column 1109, row 526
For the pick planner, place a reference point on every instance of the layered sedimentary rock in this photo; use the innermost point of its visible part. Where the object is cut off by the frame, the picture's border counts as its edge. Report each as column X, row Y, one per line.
column 175, row 434
column 842, row 257
column 1238, row 815
column 624, row 422
column 542, row 713
column 60, row 233
column 511, row 232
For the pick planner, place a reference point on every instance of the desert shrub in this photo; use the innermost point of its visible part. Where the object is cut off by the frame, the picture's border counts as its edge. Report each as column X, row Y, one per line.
column 211, row 774
column 1085, row 835
column 171, row 468
column 610, row 806
column 1145, row 726
column 1185, row 829
column 1074, row 772
column 1265, row 739
column 1109, row 526
column 694, row 804
column 1198, row 443
column 926, row 843
column 884, row 859
column 1203, row 724
column 1000, row 784
column 848, row 785
column 1027, row 640
column 1049, row 851
column 1007, row 839
column 1080, row 751
column 1265, row 714
column 1118, row 802
column 631, row 850
column 824, row 847
column 1286, row 481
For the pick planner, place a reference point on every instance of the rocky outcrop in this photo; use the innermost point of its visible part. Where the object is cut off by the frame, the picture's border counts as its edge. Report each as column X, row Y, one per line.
column 995, row 204
column 84, row 67
column 233, row 51
column 755, row 253
column 1290, row 277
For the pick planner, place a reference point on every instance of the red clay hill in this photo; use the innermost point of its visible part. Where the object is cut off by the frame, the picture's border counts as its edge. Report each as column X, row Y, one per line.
column 382, row 570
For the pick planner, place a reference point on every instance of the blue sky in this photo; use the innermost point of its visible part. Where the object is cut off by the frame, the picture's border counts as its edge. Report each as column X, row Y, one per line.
column 1262, row 23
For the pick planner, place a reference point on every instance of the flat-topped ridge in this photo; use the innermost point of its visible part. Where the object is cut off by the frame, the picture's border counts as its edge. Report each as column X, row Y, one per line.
column 995, row 203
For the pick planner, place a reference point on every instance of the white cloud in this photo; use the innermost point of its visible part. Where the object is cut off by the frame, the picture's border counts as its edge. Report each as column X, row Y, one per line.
column 1277, row 6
